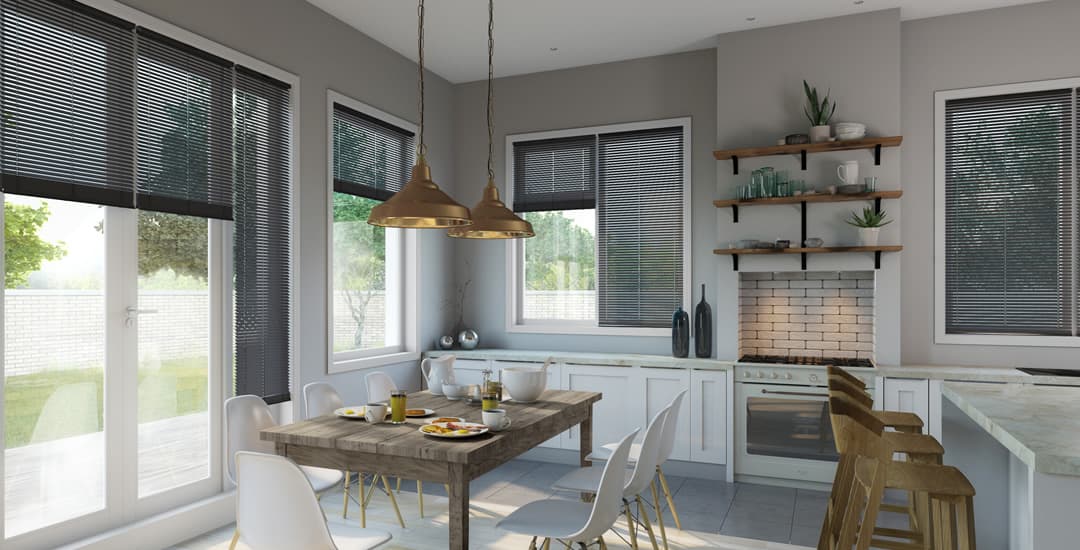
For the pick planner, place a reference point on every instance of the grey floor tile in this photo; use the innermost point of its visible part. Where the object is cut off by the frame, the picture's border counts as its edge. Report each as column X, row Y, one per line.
column 695, row 520
column 761, row 530
column 810, row 513
column 516, row 495
column 893, row 520
column 803, row 535
column 748, row 492
column 775, row 511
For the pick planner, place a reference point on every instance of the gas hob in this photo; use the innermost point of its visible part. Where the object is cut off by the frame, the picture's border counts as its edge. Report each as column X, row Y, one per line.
column 799, row 371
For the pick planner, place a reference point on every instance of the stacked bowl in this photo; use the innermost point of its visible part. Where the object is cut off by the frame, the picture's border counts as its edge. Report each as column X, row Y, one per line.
column 850, row 130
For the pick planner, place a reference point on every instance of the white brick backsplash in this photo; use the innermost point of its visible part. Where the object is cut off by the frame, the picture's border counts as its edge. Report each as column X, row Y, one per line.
column 812, row 313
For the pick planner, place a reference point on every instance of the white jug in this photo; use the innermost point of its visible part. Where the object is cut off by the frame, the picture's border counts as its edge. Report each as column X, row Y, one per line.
column 848, row 172
column 525, row 384
column 438, row 371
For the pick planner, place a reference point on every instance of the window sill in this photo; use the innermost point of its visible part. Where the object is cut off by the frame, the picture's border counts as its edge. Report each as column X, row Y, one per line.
column 347, row 365
column 590, row 330
column 1008, row 340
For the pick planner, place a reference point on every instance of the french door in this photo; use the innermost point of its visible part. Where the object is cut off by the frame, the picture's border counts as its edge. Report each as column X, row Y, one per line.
column 115, row 349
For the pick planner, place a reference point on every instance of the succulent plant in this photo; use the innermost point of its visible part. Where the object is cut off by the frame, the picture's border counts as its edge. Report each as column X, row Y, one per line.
column 818, row 112
column 869, row 218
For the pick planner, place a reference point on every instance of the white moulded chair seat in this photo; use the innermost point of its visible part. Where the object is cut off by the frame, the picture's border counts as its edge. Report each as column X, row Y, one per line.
column 667, row 446
column 571, row 521
column 245, row 417
column 638, row 479
column 276, row 508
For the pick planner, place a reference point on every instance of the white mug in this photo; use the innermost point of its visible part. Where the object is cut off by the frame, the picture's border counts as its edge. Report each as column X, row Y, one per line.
column 496, row 420
column 375, row 413
column 848, row 172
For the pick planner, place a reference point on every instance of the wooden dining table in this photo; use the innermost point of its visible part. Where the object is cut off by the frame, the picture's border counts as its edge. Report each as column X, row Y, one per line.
column 400, row 450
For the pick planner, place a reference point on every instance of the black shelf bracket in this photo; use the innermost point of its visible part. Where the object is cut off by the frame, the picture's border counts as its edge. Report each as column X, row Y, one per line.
column 735, row 213
column 877, row 205
column 877, row 155
column 802, row 233
column 735, row 164
column 802, row 153
column 735, row 262
column 877, row 259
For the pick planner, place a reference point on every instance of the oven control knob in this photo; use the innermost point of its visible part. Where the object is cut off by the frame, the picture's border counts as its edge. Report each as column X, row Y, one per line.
column 760, row 374
column 746, row 374
column 775, row 375
column 813, row 378
column 787, row 376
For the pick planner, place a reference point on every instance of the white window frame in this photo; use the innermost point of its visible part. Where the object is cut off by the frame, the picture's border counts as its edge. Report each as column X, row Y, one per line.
column 515, row 260
column 408, row 265
column 940, row 334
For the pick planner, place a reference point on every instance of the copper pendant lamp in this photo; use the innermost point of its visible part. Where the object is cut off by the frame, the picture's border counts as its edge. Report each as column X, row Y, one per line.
column 420, row 203
column 491, row 218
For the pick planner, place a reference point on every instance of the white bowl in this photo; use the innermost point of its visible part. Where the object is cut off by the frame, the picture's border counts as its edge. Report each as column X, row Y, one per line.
column 454, row 391
column 843, row 126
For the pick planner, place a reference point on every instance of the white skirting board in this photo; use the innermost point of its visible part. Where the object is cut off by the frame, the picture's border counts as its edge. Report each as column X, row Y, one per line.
column 167, row 529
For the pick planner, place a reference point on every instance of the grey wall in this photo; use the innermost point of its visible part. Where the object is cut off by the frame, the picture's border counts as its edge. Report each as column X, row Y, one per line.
column 326, row 53
column 642, row 89
column 759, row 99
column 1023, row 43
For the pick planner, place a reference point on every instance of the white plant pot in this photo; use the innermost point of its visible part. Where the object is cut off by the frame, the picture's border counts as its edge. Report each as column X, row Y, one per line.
column 819, row 134
column 868, row 236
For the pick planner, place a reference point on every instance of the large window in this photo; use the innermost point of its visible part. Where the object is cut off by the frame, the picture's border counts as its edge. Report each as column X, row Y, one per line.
column 1007, row 213
column 370, row 159
column 609, row 206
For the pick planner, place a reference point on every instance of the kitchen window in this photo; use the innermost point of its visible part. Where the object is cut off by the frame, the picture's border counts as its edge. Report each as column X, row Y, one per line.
column 610, row 209
column 371, row 282
column 1006, row 211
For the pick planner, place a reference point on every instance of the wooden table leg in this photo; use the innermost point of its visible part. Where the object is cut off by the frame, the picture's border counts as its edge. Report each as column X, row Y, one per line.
column 459, row 508
column 585, row 447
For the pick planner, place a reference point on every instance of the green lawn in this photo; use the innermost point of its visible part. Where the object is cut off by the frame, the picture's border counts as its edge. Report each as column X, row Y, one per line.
column 178, row 387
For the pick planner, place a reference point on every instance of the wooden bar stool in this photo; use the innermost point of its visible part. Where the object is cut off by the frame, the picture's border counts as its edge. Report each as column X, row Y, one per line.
column 900, row 421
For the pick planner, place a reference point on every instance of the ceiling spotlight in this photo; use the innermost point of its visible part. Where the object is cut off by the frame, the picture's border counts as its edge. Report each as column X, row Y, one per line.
column 553, row 49
column 751, row 18
column 859, row 2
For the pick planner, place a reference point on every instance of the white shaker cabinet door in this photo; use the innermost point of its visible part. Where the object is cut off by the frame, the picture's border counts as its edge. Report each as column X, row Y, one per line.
column 708, row 416
column 470, row 371
column 660, row 387
column 614, row 415
column 920, row 396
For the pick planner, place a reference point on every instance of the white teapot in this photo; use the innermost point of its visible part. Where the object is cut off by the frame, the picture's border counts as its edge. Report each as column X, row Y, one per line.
column 438, row 371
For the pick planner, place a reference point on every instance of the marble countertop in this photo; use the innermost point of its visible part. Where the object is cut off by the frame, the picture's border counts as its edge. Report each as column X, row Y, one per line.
column 584, row 358
column 1038, row 424
column 974, row 374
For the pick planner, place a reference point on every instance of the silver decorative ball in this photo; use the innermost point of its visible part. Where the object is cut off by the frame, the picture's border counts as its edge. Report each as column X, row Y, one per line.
column 468, row 339
column 445, row 342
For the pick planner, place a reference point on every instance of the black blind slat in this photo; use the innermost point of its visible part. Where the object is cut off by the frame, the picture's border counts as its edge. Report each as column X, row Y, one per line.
column 66, row 102
column 1009, row 224
column 640, row 227
column 555, row 174
column 185, row 129
column 262, row 238
column 372, row 158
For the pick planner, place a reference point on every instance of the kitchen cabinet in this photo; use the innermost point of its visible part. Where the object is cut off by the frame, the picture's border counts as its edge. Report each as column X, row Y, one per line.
column 470, row 371
column 613, row 416
column 708, row 440
column 917, row 395
column 659, row 387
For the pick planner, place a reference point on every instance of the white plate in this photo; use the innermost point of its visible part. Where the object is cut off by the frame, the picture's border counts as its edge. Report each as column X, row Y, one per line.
column 427, row 412
column 354, row 413
column 483, row 430
column 434, row 420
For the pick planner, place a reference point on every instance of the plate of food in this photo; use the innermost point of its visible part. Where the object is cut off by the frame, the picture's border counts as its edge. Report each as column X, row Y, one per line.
column 418, row 413
column 445, row 419
column 353, row 413
column 453, row 430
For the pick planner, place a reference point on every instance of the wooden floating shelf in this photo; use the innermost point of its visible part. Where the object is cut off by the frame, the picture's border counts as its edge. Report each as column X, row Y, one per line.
column 810, row 198
column 877, row 250
column 875, row 143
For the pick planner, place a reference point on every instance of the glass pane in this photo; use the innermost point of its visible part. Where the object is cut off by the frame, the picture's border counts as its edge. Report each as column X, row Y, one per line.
column 174, row 350
column 560, row 266
column 54, row 358
column 791, row 428
column 365, row 283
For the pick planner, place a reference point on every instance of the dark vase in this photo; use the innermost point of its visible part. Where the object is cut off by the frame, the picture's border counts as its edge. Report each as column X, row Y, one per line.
column 703, row 327
column 680, row 333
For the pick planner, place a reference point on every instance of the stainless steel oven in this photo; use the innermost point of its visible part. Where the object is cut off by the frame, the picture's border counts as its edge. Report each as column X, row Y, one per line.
column 782, row 426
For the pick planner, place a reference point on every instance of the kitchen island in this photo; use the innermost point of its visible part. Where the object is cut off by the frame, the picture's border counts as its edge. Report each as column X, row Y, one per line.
column 1039, row 425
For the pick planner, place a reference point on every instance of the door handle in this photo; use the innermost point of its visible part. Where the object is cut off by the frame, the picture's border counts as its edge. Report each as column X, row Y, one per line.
column 796, row 393
column 133, row 313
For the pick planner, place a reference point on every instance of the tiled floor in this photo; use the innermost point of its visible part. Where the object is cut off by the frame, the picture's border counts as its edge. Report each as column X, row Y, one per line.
column 713, row 513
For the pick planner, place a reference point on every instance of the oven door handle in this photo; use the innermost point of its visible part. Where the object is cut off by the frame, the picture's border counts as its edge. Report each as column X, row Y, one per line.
column 796, row 393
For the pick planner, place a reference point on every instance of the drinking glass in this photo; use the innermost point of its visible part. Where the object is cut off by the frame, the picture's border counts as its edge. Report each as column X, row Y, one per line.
column 397, row 406
column 491, row 401
column 870, row 183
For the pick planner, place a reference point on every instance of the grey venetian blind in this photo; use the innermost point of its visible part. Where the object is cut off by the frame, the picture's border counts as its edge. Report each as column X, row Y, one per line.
column 66, row 102
column 555, row 174
column 640, row 227
column 261, row 246
column 372, row 158
column 185, row 130
column 1010, row 226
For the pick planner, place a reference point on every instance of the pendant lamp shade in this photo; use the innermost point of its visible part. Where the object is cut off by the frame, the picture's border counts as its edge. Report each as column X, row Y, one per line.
column 420, row 205
column 491, row 219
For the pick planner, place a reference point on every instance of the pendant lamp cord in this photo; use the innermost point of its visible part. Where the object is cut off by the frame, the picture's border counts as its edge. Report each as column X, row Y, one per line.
column 421, row 146
column 490, row 92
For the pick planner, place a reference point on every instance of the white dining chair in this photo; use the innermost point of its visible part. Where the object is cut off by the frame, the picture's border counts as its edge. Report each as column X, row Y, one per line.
column 667, row 446
column 321, row 399
column 245, row 417
column 571, row 521
column 277, row 508
column 379, row 386
column 638, row 479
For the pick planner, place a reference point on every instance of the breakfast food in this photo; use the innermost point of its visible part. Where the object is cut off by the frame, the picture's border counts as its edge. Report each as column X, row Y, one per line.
column 444, row 419
column 415, row 412
column 453, row 428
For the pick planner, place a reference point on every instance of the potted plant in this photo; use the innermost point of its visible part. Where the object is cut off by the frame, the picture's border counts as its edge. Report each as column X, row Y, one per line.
column 869, row 225
column 818, row 113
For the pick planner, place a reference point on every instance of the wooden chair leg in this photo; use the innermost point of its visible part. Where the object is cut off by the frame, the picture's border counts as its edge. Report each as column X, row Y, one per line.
column 399, row 485
column 603, row 545
column 965, row 524
column 547, row 544
column 393, row 501
column 532, row 544
column 659, row 514
column 630, row 525
column 235, row 539
column 420, row 495
column 644, row 515
column 926, row 525
column 667, row 495
column 345, row 501
column 364, row 499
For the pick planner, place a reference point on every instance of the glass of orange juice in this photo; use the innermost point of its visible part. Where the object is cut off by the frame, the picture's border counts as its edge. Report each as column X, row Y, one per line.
column 397, row 406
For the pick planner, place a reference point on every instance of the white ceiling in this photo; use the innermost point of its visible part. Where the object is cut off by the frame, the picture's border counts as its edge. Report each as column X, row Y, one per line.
column 590, row 31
